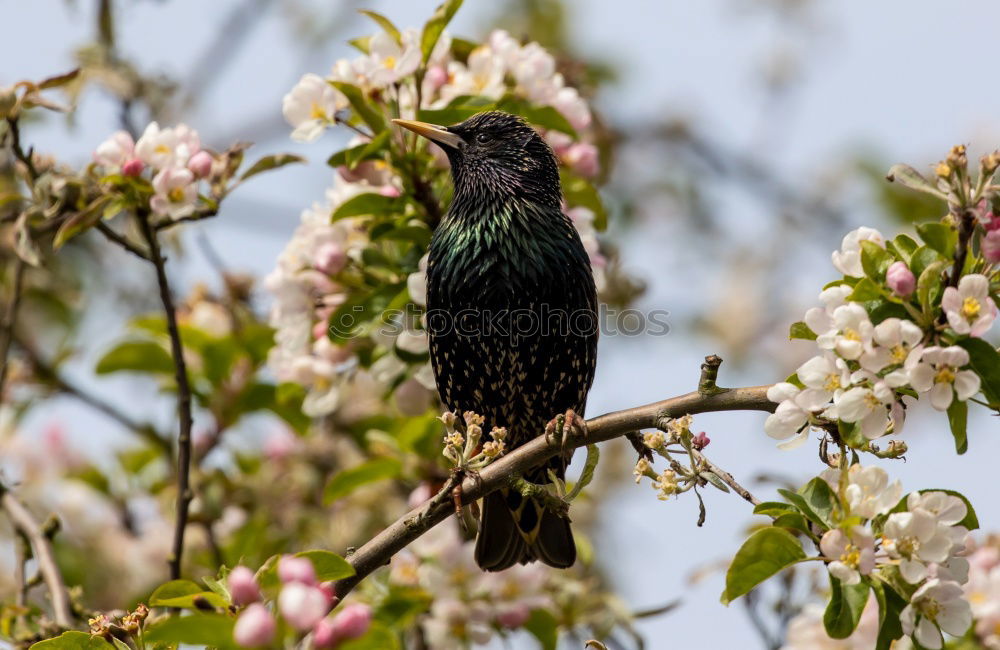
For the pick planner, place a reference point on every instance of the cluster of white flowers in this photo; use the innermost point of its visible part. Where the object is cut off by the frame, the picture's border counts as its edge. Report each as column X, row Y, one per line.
column 174, row 155
column 925, row 542
column 983, row 592
column 861, row 367
column 470, row 606
column 304, row 282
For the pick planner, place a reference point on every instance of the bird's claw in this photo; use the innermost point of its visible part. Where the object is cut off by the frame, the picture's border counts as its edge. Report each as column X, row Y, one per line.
column 561, row 428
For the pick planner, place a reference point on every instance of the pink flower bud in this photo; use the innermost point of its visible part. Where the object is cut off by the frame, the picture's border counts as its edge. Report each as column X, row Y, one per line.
column 514, row 616
column 582, row 158
column 992, row 222
column 330, row 258
column 389, row 190
column 201, row 164
column 242, row 586
column 255, row 627
column 133, row 167
column 296, row 569
column 303, row 605
column 352, row 621
column 436, row 76
column 328, row 589
column 700, row 441
column 280, row 444
column 991, row 246
column 324, row 635
column 900, row 279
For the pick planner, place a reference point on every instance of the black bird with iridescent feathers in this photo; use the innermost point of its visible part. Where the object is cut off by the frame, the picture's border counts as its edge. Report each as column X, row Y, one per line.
column 512, row 314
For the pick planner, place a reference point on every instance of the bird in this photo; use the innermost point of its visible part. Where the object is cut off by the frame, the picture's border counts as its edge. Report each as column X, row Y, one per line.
column 511, row 315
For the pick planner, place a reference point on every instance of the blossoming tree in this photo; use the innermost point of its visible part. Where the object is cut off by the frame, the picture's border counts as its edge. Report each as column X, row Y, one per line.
column 377, row 474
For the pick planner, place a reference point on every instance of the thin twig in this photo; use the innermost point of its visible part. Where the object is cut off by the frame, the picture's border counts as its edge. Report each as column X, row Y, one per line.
column 9, row 319
column 19, row 153
column 380, row 549
column 726, row 477
column 200, row 215
column 122, row 241
column 184, row 494
column 24, row 523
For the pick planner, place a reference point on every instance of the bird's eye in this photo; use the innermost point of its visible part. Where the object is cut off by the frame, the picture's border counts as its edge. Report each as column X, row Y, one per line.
column 483, row 138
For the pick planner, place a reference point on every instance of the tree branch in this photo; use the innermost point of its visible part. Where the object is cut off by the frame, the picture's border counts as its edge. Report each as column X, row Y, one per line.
column 26, row 525
column 122, row 241
column 9, row 319
column 184, row 494
column 380, row 549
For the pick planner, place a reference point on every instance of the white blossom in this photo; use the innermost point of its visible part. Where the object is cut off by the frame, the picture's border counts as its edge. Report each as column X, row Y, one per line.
column 868, row 492
column 916, row 538
column 176, row 192
column 895, row 340
column 939, row 373
column 850, row 334
column 848, row 259
column 115, row 151
column 311, row 106
column 851, row 554
column 969, row 308
column 935, row 607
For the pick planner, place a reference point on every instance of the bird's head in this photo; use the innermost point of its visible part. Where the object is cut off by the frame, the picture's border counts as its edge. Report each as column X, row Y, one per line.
column 494, row 155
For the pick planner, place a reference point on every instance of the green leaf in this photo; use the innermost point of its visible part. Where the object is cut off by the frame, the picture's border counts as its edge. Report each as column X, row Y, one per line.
column 81, row 221
column 546, row 117
column 368, row 114
column 581, row 192
column 59, row 79
column 875, row 260
column 794, row 521
column 366, row 151
column 72, row 640
column 347, row 481
column 905, row 246
column 821, row 499
column 361, row 44
column 773, row 508
column 940, row 237
column 844, row 609
column 865, row 291
column 328, row 566
column 958, row 417
column 368, row 203
column 800, row 330
column 186, row 594
column 929, row 285
column 909, row 177
column 378, row 637
column 890, row 604
column 385, row 23
column 196, row 629
column 544, row 627
column 985, row 361
column 459, row 109
column 433, row 28
column 136, row 356
column 268, row 163
column 765, row 553
column 587, row 475
column 921, row 258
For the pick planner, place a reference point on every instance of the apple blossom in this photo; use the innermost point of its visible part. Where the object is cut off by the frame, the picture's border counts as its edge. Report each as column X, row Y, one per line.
column 176, row 193
column 303, row 605
column 867, row 406
column 296, row 569
column 158, row 147
column 311, row 106
column 851, row 554
column 255, row 627
column 482, row 75
column 848, row 259
column 388, row 61
column 938, row 371
column 969, row 308
column 850, row 334
column 133, row 167
column 330, row 258
column 827, row 374
column 582, row 157
column 868, row 491
column 793, row 413
column 352, row 621
column 935, row 607
column 115, row 151
column 243, row 586
column 916, row 538
column 900, row 279
column 896, row 340
column 806, row 630
column 948, row 509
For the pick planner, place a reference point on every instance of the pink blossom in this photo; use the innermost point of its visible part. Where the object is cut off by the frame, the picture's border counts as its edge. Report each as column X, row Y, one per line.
column 436, row 77
column 514, row 616
column 324, row 635
column 900, row 279
column 352, row 621
column 201, row 164
column 700, row 441
column 243, row 586
column 389, row 190
column 296, row 569
column 582, row 158
column 328, row 589
column 991, row 245
column 255, row 627
column 114, row 151
column 133, row 167
column 330, row 258
column 280, row 444
column 303, row 605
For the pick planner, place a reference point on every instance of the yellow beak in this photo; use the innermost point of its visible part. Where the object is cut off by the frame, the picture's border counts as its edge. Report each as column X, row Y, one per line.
column 432, row 132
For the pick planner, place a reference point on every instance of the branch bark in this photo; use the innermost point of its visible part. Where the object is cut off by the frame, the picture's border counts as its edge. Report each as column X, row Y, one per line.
column 184, row 494
column 380, row 549
column 25, row 524
column 10, row 319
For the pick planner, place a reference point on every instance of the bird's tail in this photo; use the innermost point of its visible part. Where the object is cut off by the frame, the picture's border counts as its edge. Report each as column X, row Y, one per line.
column 515, row 529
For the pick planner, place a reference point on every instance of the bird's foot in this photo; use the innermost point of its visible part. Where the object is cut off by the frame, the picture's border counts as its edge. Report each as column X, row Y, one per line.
column 563, row 427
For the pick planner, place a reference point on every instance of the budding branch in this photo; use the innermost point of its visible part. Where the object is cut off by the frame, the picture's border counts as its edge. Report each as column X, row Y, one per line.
column 708, row 398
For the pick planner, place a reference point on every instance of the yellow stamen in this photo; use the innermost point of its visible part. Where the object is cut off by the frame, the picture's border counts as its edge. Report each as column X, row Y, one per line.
column 851, row 335
column 899, row 354
column 832, row 383
column 316, row 112
column 945, row 375
column 176, row 195
column 389, row 62
column 971, row 308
